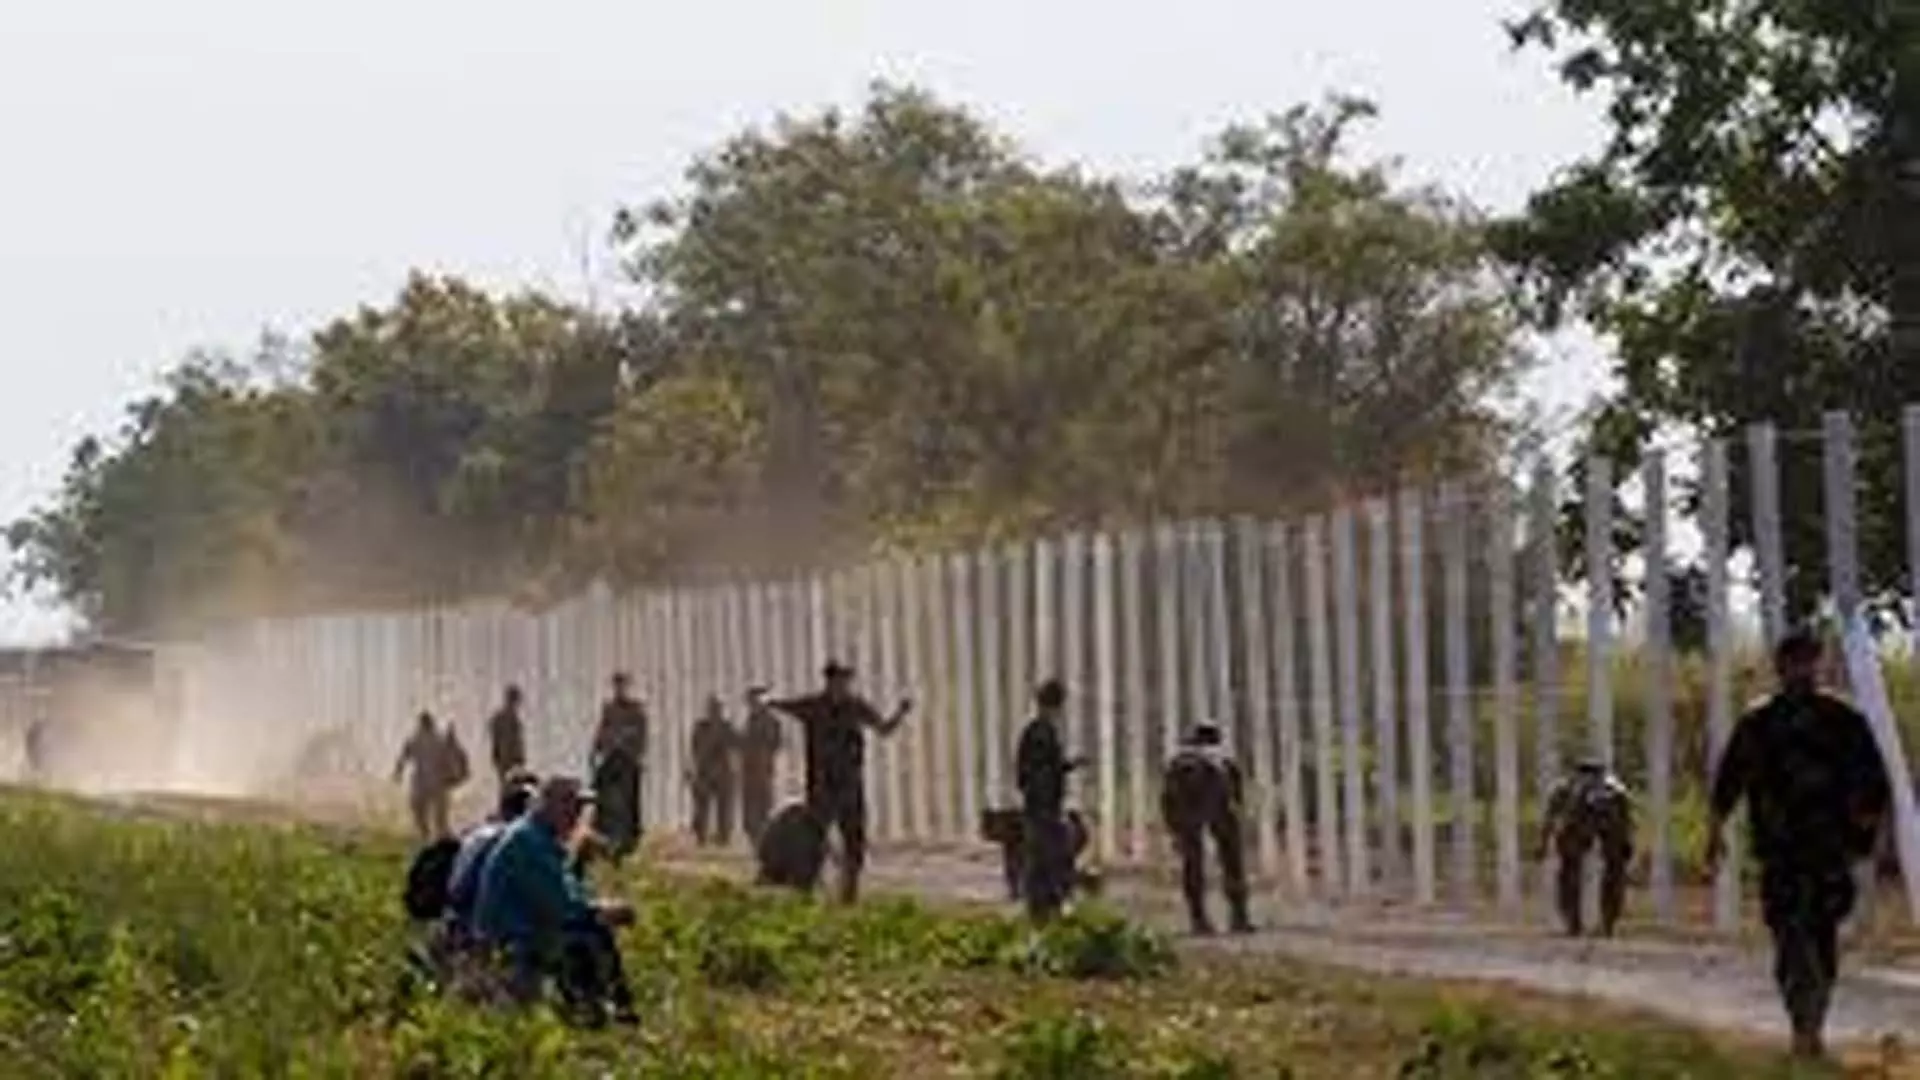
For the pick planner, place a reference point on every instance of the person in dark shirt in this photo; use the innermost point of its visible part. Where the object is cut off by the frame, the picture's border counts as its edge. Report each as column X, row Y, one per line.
column 1817, row 793
column 507, row 733
column 714, row 743
column 836, row 722
column 1201, row 795
column 1041, row 768
column 1588, row 811
column 760, row 745
column 619, row 759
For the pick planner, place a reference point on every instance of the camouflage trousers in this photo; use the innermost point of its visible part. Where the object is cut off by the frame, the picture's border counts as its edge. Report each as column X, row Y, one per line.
column 713, row 810
column 1571, row 878
column 1804, row 907
column 1229, row 845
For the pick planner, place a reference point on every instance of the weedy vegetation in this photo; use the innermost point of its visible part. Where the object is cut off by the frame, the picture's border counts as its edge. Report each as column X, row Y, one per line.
column 133, row 947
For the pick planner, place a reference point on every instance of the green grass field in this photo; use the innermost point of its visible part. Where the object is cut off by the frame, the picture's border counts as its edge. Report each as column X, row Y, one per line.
column 143, row 946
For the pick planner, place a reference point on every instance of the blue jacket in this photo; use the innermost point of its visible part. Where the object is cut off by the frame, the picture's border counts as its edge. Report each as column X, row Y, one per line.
column 527, row 896
column 463, row 882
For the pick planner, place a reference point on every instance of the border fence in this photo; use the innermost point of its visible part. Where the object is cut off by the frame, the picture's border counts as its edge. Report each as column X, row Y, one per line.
column 1397, row 677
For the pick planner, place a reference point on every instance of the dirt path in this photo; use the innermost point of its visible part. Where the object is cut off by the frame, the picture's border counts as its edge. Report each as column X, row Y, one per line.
column 1708, row 985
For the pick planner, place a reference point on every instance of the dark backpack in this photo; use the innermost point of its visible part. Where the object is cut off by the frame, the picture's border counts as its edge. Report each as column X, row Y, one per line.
column 428, row 877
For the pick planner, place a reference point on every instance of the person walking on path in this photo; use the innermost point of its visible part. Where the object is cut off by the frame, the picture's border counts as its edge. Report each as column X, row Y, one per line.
column 1201, row 796
column 439, row 765
column 1817, row 795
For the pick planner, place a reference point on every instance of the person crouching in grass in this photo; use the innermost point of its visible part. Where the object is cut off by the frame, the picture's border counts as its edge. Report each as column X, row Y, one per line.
column 536, row 910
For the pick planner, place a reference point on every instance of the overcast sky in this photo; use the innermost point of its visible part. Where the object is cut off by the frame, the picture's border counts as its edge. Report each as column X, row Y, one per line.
column 184, row 173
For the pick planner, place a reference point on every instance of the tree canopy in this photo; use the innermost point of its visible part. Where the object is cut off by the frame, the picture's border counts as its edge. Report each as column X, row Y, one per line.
column 1748, row 239
column 888, row 326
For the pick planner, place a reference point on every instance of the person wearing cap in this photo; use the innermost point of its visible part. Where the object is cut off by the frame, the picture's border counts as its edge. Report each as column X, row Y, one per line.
column 1201, row 795
column 1588, row 811
column 836, row 721
column 760, row 745
column 1041, row 767
column 619, row 759
column 1817, row 795
column 714, row 742
column 537, row 911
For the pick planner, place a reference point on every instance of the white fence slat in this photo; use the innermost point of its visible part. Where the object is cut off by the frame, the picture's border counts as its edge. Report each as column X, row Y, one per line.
column 1463, row 801
column 1599, row 545
column 1719, row 663
column 1546, row 647
column 1352, row 743
column 1287, row 688
column 1386, row 718
column 1257, row 754
column 1219, row 634
column 1193, row 556
column 1419, row 727
column 966, row 705
column 1843, row 560
column 1506, row 704
column 1656, row 658
column 919, row 739
column 1139, row 712
column 1763, row 480
column 991, row 579
column 1320, row 651
column 1167, row 573
column 1106, row 749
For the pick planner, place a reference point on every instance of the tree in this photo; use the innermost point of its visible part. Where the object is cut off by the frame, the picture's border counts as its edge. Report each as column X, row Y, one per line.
column 181, row 522
column 883, row 328
column 1748, row 237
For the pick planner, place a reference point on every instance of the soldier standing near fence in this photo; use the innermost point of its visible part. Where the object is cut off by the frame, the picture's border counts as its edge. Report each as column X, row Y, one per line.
column 439, row 764
column 760, row 744
column 619, row 757
column 1817, row 794
column 1588, row 810
column 836, row 722
column 507, row 735
column 1202, row 795
column 1041, row 768
column 714, row 742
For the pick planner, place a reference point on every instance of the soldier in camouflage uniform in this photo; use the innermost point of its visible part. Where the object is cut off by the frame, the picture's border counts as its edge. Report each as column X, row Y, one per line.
column 1589, row 810
column 618, row 761
column 1817, row 795
column 1202, row 795
column 714, row 744
column 836, row 722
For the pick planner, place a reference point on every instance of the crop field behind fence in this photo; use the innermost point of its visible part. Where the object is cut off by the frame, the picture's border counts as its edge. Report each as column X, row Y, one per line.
column 1401, row 677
